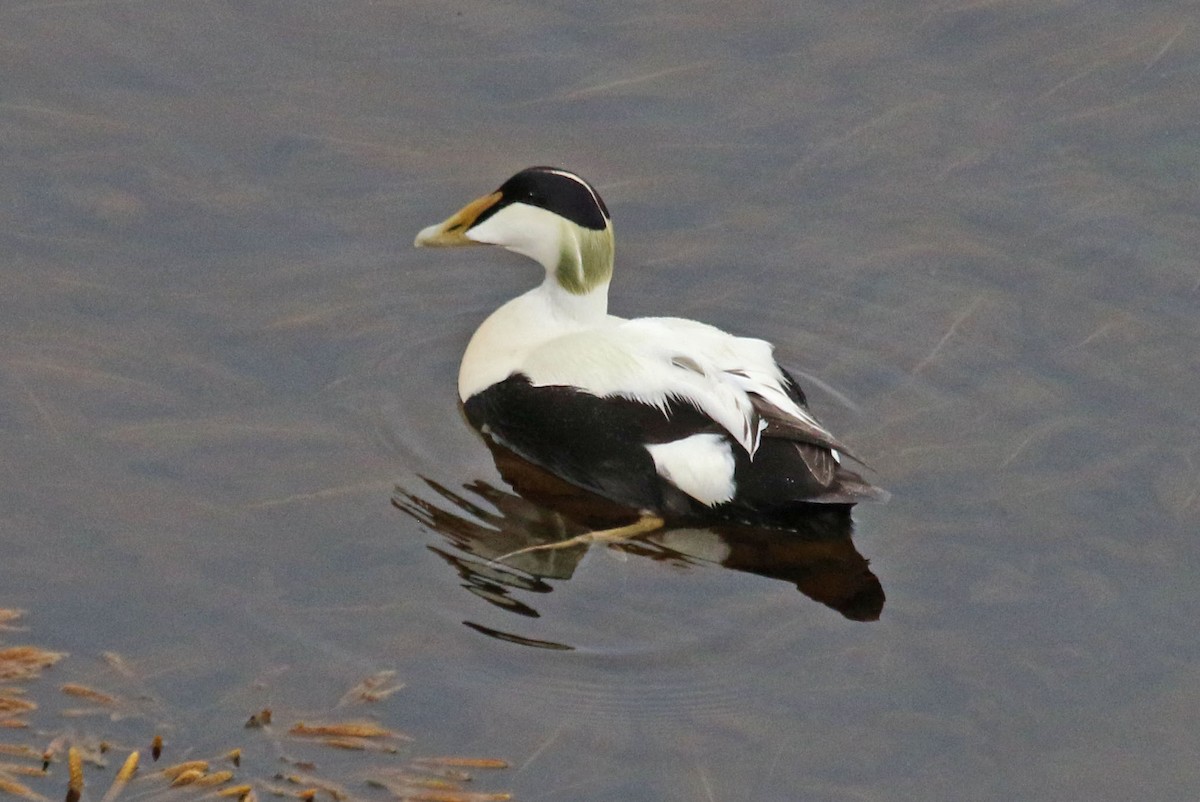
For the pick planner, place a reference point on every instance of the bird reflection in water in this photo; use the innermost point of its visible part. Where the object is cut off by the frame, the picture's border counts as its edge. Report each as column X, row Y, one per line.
column 487, row 525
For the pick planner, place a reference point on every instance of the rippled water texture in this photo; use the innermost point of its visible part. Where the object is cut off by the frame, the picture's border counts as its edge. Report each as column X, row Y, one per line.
column 228, row 427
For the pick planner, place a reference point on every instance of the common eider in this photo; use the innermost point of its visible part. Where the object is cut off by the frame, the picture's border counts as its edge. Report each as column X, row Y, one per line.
column 670, row 417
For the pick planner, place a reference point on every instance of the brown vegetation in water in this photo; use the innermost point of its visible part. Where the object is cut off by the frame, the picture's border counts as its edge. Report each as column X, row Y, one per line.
column 31, row 764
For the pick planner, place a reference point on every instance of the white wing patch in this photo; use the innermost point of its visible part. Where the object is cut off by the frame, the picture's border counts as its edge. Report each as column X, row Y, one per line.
column 701, row 466
column 658, row 360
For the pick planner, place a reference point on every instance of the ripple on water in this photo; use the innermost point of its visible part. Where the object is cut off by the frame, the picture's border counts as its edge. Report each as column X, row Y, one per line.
column 577, row 624
column 662, row 683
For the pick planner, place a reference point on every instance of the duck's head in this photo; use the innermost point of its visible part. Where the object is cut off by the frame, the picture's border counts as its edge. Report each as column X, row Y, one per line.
column 550, row 215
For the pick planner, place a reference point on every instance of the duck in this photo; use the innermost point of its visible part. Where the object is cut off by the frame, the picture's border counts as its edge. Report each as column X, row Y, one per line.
column 669, row 417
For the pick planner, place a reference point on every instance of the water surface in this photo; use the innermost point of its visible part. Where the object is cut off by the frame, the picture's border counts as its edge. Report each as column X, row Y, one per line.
column 976, row 224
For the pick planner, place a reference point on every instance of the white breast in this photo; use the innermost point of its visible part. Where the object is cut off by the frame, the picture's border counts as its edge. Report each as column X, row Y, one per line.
column 502, row 344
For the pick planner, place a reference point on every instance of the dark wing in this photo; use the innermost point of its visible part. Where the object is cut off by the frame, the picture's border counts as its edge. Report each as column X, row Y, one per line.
column 795, row 462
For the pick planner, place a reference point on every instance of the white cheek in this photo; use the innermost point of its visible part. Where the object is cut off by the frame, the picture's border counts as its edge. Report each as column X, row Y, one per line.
column 701, row 466
column 523, row 229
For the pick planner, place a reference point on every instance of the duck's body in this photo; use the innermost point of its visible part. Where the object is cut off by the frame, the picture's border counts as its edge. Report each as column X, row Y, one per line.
column 664, row 415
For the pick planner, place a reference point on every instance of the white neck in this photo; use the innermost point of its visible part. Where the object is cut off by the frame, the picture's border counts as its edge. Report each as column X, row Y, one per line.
column 588, row 309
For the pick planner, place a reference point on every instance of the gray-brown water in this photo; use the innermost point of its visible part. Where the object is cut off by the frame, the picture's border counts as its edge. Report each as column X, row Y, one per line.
column 978, row 224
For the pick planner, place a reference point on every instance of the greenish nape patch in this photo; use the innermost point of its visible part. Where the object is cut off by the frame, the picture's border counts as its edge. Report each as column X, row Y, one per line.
column 585, row 259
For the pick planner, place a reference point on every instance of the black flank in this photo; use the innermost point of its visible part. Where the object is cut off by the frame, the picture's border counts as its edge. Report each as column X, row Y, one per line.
column 598, row 444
